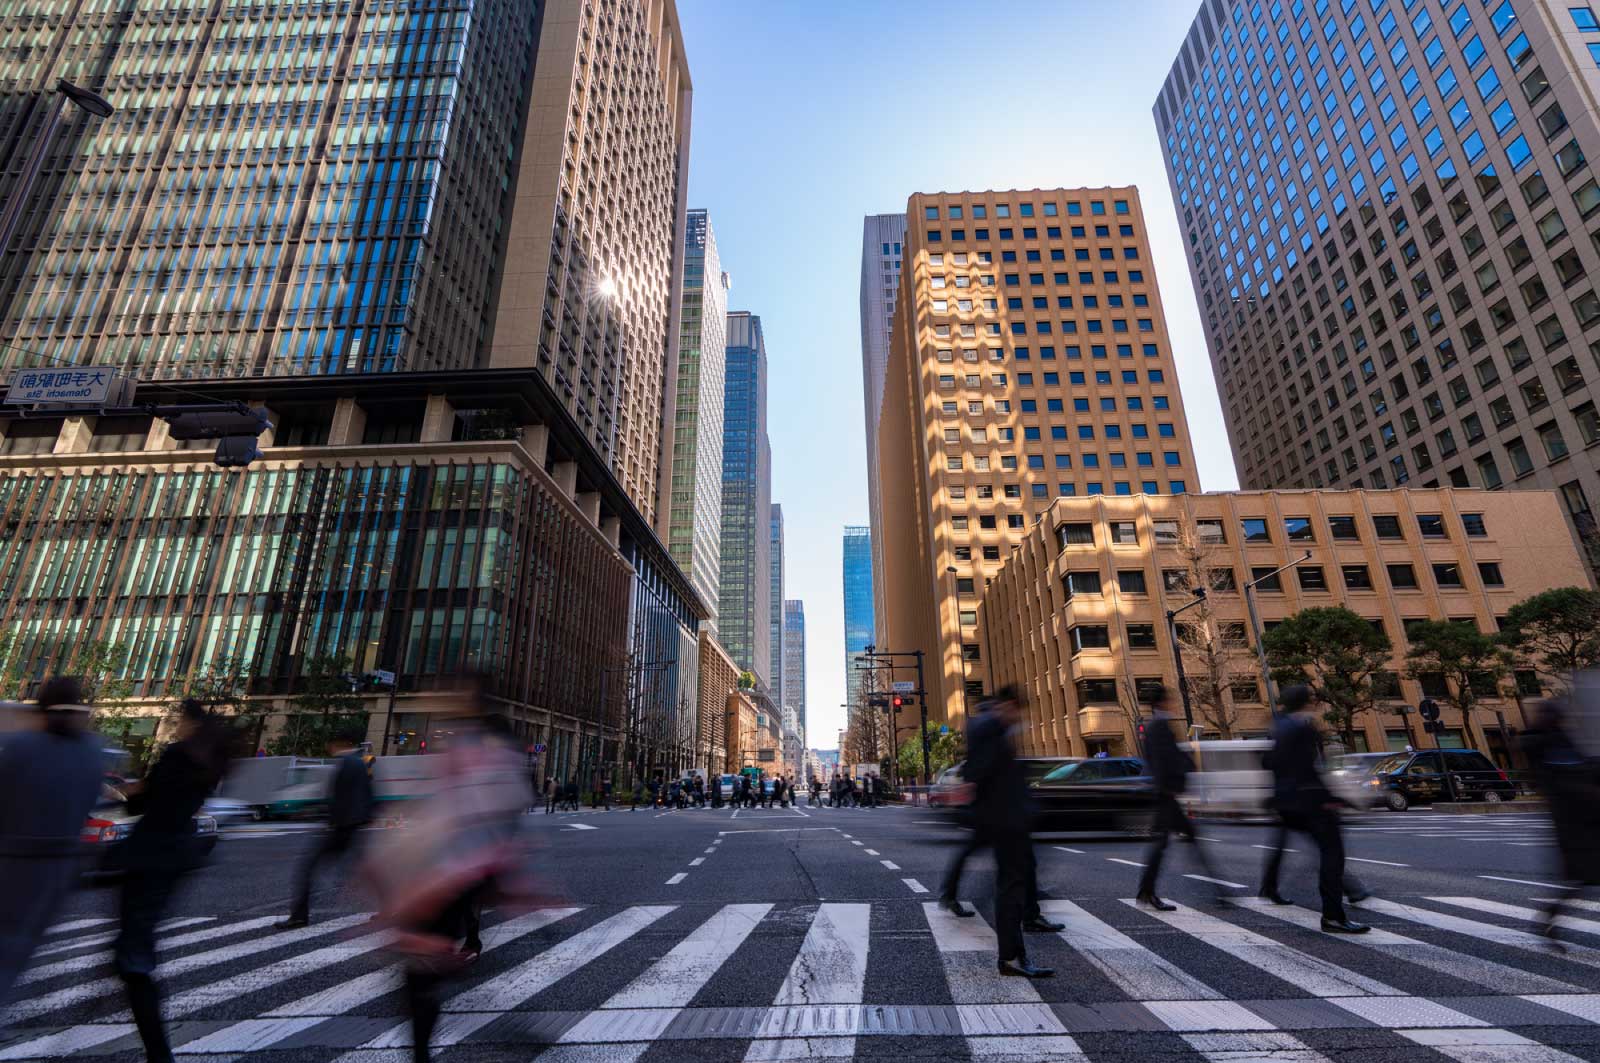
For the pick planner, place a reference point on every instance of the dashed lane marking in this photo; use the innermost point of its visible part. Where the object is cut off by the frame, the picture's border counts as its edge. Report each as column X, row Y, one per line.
column 679, row 877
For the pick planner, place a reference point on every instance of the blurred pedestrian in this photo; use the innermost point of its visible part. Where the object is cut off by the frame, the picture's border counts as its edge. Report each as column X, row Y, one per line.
column 1000, row 812
column 551, row 795
column 1570, row 781
column 160, row 849
column 1169, row 768
column 880, row 789
column 50, row 778
column 572, row 793
column 716, row 792
column 606, row 787
column 350, row 804
column 1304, row 804
column 816, row 791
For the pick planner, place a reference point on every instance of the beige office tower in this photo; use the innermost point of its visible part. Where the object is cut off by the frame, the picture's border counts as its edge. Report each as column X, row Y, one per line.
column 1390, row 218
column 1029, row 361
column 597, row 229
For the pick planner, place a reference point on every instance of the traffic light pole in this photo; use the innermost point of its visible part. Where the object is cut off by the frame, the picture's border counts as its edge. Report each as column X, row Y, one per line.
column 922, row 698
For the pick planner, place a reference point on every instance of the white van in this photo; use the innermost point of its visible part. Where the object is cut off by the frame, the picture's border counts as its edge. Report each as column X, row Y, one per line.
column 1230, row 778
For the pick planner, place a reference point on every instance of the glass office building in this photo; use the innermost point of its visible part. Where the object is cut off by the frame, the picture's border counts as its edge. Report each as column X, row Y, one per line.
column 858, row 603
column 1390, row 217
column 744, row 614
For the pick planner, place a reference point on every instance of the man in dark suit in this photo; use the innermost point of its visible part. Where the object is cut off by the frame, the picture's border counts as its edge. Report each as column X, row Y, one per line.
column 1305, row 804
column 1169, row 768
column 349, row 809
column 1000, row 814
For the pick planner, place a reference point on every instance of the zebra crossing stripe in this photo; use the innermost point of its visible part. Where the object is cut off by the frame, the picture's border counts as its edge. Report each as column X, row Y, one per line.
column 1473, row 928
column 99, row 959
column 77, row 924
column 1316, row 976
column 1490, row 974
column 111, row 935
column 1515, row 911
column 1128, row 965
column 707, row 947
column 67, row 1042
column 112, row 987
column 1245, row 1047
column 967, row 951
column 831, row 968
column 1484, row 1046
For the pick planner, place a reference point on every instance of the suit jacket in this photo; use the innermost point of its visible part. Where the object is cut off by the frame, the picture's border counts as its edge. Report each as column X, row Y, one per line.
column 1000, row 797
column 350, row 805
column 1169, row 766
column 1297, row 785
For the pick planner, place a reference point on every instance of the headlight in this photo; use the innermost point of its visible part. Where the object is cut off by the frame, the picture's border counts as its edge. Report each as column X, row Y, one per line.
column 1374, row 782
column 205, row 825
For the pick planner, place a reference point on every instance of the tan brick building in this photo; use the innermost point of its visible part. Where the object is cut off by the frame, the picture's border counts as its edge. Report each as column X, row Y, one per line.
column 719, row 698
column 1076, row 618
column 1029, row 360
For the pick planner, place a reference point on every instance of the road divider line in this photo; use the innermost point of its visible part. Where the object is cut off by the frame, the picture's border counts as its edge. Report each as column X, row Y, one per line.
column 1269, row 848
column 1528, row 882
column 890, row 864
column 697, row 861
column 872, row 852
column 679, row 877
column 1120, row 860
column 1064, row 849
column 1367, row 860
column 1218, row 881
column 914, row 885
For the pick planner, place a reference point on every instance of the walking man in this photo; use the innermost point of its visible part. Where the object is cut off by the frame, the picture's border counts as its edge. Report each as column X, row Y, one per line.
column 1000, row 813
column 1169, row 768
column 1305, row 804
column 550, row 795
column 349, row 809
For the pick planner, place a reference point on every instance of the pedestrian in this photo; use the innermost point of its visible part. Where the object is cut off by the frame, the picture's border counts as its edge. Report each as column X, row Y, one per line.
column 699, row 791
column 778, row 793
column 350, row 804
column 1000, row 812
column 816, row 792
column 1168, row 767
column 551, row 795
column 50, row 778
column 638, row 795
column 1570, row 782
column 716, row 792
column 605, row 790
column 160, row 849
column 572, row 793
column 852, row 795
column 880, row 790
column 533, row 786
column 835, row 791
column 672, row 794
column 1304, row 804
column 655, row 790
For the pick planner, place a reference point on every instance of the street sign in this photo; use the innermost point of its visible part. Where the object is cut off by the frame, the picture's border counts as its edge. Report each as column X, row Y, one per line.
column 903, row 686
column 1429, row 709
column 383, row 677
column 538, row 747
column 78, row 385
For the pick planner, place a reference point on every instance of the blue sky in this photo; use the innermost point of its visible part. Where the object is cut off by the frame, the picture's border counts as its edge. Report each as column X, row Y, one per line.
column 809, row 116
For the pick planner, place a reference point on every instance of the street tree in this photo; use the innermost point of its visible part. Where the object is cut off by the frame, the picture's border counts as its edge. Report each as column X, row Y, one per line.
column 1216, row 652
column 222, row 686
column 1557, row 631
column 325, row 705
column 945, row 750
column 1337, row 653
column 1471, row 663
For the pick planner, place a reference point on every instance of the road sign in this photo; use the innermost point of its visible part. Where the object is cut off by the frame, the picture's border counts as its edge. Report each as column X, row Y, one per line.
column 383, row 677
column 1429, row 709
column 538, row 747
column 78, row 385
column 903, row 686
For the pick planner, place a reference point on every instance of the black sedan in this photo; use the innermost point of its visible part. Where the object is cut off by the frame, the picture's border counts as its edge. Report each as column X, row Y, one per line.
column 1101, row 794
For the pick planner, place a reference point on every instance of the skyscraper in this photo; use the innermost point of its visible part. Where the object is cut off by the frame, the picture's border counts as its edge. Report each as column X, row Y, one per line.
column 1030, row 360
column 1387, row 216
column 694, row 520
column 858, row 604
column 745, row 607
column 882, row 236
column 794, row 668
column 776, row 654
column 437, row 252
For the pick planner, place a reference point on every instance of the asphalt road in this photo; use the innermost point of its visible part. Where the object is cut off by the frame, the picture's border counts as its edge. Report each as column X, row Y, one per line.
column 798, row 934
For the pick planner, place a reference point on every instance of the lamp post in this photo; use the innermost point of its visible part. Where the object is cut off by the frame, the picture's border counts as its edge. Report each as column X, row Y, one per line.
column 1255, row 626
column 87, row 101
column 1177, row 653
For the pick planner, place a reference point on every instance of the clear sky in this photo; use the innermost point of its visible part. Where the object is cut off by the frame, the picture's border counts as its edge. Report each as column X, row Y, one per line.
column 809, row 116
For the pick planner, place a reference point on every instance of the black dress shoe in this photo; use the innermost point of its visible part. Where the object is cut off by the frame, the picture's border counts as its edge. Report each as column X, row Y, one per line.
column 1275, row 898
column 1343, row 926
column 1041, row 925
column 1023, row 969
column 294, row 922
column 955, row 907
column 1150, row 900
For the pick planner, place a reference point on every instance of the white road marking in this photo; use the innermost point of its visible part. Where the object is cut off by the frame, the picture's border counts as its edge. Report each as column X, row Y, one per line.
column 872, row 852
column 1131, row 967
column 1269, row 848
column 1527, row 882
column 1514, row 911
column 697, row 861
column 1366, row 860
column 111, row 935
column 1064, row 849
column 679, row 877
column 77, row 924
column 96, row 959
column 1486, row 1046
column 1473, row 928
column 1245, row 1046
column 710, row 851
column 831, row 968
column 1120, row 860
column 583, row 826
column 914, row 885
column 708, row 946
column 1218, row 881
column 890, row 864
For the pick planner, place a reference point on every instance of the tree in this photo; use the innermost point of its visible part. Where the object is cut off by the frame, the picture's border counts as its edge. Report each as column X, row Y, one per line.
column 1558, row 631
column 1471, row 662
column 222, row 686
column 324, row 707
column 1216, row 653
column 945, row 750
column 747, row 680
column 1337, row 653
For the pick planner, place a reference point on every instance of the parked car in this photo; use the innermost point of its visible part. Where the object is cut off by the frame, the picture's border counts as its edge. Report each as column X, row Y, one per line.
column 1349, row 776
column 1097, row 794
column 1424, row 776
column 105, row 834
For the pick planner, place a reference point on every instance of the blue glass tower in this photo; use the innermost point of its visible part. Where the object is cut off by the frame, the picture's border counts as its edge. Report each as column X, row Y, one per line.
column 859, row 617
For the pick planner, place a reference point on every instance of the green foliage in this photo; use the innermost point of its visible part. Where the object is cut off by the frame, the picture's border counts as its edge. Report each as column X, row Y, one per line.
column 1461, row 653
column 307, row 734
column 944, row 750
column 1558, row 631
column 324, row 707
column 747, row 680
column 1336, row 652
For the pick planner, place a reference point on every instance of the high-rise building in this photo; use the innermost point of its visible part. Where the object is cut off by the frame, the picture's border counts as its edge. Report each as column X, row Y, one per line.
column 882, row 237
column 858, row 604
column 437, row 250
column 694, row 517
column 1030, row 361
column 776, row 630
column 794, row 663
column 1387, row 217
column 744, row 621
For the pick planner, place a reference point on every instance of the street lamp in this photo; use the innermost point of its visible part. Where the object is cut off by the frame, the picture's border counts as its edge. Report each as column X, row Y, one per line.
column 1255, row 626
column 1177, row 652
column 90, row 103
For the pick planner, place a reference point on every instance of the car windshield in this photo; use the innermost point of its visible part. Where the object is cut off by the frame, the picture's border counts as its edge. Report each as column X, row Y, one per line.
column 1360, row 763
column 1388, row 764
column 1062, row 773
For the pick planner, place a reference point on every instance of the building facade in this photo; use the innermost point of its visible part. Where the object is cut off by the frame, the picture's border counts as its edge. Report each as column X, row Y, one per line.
column 882, row 239
column 719, row 705
column 365, row 222
column 1030, row 361
column 777, row 631
column 794, row 667
column 1076, row 617
column 1387, row 217
column 745, row 604
column 694, row 517
column 859, row 607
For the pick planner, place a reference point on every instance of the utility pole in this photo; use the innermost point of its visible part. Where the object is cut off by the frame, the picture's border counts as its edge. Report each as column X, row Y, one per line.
column 1256, row 632
column 922, row 698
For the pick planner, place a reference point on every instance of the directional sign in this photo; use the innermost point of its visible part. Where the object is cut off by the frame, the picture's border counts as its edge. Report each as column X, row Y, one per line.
column 903, row 686
column 79, row 385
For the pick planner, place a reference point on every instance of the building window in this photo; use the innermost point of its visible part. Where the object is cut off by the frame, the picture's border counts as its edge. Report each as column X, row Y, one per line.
column 1131, row 581
column 1075, row 535
column 1447, row 574
column 1402, row 577
column 1387, row 526
column 1255, row 530
column 1431, row 525
column 1312, row 578
column 1141, row 636
column 1097, row 690
column 1473, row 525
column 1166, row 532
column 1123, row 533
column 1343, row 528
column 1489, row 572
column 1090, row 637
column 1265, row 579
column 1081, row 583
column 1298, row 529
column 1356, row 577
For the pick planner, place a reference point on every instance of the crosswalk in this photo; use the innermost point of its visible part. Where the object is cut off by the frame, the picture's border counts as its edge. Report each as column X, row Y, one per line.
column 1452, row 976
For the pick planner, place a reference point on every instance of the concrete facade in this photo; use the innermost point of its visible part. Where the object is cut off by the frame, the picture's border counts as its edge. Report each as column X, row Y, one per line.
column 882, row 240
column 1076, row 617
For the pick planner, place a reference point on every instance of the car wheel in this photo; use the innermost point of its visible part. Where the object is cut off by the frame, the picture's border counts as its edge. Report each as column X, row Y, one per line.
column 1396, row 801
column 1492, row 797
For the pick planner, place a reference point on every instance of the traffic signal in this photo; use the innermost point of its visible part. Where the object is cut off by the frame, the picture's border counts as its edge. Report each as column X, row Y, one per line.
column 895, row 704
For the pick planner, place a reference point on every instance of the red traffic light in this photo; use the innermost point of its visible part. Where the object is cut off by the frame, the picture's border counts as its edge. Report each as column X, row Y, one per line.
column 897, row 701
